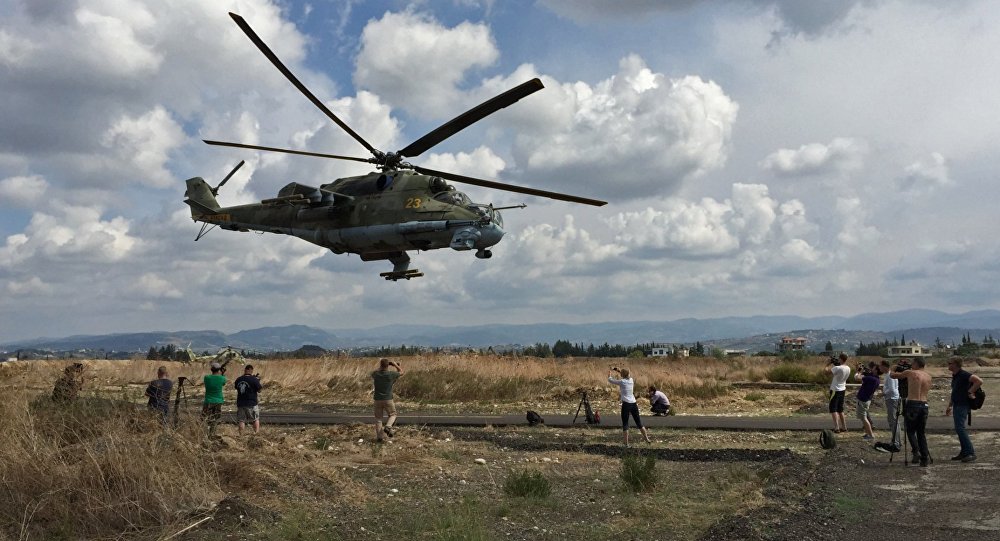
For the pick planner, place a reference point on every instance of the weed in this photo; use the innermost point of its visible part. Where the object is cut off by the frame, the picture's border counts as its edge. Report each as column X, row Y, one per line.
column 463, row 521
column 639, row 471
column 322, row 442
column 527, row 484
column 755, row 396
column 795, row 373
column 850, row 505
column 705, row 390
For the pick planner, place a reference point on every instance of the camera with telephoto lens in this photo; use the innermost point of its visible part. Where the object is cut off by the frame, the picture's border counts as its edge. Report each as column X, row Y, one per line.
column 901, row 366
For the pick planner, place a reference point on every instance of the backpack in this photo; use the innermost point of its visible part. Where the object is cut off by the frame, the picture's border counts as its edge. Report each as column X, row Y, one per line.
column 827, row 440
column 977, row 401
column 534, row 418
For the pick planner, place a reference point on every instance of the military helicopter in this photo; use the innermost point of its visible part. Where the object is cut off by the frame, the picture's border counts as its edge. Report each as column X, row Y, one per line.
column 381, row 215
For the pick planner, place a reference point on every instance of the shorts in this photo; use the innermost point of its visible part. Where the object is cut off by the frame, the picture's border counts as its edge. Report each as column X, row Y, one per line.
column 247, row 414
column 384, row 407
column 863, row 409
column 837, row 401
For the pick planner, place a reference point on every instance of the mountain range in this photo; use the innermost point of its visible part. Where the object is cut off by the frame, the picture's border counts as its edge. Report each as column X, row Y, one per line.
column 751, row 332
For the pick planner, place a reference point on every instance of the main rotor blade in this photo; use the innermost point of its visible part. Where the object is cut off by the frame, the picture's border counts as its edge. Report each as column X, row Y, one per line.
column 471, row 116
column 509, row 187
column 288, row 151
column 298, row 84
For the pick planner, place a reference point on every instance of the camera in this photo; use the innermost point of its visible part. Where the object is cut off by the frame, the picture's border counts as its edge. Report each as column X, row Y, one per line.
column 903, row 365
column 614, row 368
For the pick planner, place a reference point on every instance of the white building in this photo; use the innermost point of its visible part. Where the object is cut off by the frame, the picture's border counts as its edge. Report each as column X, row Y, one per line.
column 911, row 350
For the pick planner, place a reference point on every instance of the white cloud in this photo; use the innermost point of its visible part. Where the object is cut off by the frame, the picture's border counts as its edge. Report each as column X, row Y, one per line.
column 418, row 64
column 30, row 286
column 481, row 162
column 155, row 286
column 632, row 135
column 841, row 155
column 144, row 143
column 23, row 191
column 69, row 233
column 925, row 175
column 708, row 228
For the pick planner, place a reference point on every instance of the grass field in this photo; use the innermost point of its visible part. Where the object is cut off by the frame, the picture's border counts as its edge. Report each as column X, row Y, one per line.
column 103, row 468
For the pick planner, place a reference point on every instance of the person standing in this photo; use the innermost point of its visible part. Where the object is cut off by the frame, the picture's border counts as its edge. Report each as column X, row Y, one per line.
column 838, row 387
column 629, row 406
column 659, row 404
column 918, row 384
column 68, row 387
column 247, row 408
column 212, row 410
column 963, row 388
column 383, row 381
column 869, row 382
column 890, row 391
column 158, row 392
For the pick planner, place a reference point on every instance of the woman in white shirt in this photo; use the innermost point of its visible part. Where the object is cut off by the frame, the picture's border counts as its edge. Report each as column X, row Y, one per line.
column 629, row 406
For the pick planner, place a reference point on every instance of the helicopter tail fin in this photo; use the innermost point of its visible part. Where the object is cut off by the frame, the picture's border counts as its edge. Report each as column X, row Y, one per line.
column 200, row 197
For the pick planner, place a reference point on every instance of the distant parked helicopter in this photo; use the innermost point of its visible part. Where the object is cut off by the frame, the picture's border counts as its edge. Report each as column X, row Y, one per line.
column 381, row 215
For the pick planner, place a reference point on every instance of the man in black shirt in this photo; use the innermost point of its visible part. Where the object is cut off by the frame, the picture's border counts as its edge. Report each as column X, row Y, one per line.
column 247, row 410
column 158, row 392
column 963, row 387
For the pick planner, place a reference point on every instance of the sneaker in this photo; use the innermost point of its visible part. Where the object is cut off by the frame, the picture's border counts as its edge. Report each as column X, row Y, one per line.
column 959, row 456
column 866, row 437
column 388, row 431
column 881, row 447
column 969, row 458
column 924, row 461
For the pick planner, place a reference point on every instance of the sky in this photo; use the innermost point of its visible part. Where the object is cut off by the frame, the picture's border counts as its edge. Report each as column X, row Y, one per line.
column 767, row 157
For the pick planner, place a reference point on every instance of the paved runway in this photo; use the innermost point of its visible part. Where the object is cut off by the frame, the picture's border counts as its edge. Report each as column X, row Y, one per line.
column 707, row 422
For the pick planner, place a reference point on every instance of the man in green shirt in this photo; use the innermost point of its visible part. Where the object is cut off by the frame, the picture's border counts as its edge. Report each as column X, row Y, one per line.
column 212, row 411
column 383, row 380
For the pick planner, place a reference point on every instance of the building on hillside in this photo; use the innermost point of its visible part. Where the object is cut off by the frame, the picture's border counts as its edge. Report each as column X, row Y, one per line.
column 668, row 350
column 736, row 353
column 909, row 350
column 788, row 343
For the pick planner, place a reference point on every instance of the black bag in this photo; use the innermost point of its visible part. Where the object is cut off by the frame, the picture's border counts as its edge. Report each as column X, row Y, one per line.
column 977, row 401
column 827, row 440
column 534, row 418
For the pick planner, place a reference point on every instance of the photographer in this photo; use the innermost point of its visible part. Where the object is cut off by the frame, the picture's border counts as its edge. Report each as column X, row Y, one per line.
column 659, row 404
column 963, row 387
column 890, row 391
column 383, row 380
column 838, row 387
column 247, row 410
column 68, row 387
column 158, row 392
column 212, row 409
column 869, row 382
column 629, row 406
column 918, row 383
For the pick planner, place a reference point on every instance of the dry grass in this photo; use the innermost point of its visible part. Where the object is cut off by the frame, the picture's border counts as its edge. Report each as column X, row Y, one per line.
column 81, row 470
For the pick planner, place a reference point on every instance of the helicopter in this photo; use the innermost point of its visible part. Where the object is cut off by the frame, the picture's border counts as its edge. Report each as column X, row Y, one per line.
column 381, row 215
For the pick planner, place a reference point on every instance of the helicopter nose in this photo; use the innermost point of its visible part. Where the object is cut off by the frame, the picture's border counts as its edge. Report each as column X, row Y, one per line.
column 491, row 234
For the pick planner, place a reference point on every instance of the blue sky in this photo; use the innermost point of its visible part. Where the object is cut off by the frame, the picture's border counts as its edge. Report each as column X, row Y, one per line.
column 758, row 156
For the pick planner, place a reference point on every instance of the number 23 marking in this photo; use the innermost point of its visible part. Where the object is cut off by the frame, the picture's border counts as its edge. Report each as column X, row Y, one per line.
column 413, row 203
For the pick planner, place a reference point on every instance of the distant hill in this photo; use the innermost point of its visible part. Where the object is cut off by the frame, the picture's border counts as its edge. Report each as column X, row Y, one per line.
column 751, row 332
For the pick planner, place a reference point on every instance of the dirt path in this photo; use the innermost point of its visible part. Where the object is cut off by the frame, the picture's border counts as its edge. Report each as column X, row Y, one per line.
column 856, row 493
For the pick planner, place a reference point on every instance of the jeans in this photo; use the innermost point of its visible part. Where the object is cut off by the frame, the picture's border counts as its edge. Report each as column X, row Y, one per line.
column 960, row 413
column 891, row 409
column 916, row 425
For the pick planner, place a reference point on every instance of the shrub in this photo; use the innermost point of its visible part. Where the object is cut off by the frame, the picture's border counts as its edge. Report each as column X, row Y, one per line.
column 706, row 390
column 527, row 484
column 793, row 373
column 639, row 472
column 755, row 396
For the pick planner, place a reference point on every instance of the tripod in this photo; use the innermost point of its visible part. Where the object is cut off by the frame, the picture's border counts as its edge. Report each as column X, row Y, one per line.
column 177, row 400
column 588, row 413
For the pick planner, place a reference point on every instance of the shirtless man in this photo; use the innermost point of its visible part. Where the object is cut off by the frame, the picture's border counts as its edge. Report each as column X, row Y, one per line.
column 919, row 384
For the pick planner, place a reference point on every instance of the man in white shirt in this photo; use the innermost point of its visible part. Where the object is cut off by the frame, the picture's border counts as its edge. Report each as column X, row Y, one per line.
column 890, row 390
column 838, row 387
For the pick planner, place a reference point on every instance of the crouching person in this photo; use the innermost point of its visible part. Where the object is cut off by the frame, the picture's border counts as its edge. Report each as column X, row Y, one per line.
column 658, row 402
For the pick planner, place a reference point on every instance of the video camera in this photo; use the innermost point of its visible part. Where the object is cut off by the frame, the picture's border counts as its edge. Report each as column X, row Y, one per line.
column 903, row 365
